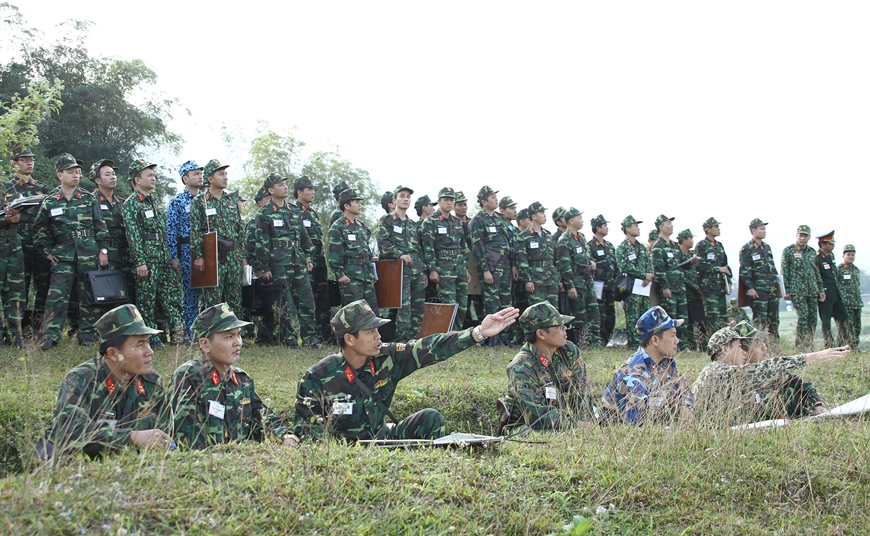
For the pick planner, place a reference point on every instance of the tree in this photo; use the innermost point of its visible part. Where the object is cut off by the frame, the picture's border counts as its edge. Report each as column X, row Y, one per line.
column 21, row 115
column 327, row 168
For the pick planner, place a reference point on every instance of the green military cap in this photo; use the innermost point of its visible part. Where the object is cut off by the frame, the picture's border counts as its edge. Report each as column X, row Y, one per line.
column 262, row 193
column 212, row 166
column 598, row 221
column 67, row 161
column 386, row 199
column 756, row 222
column 272, row 180
column 348, row 195
column 95, row 167
column 710, row 223
column 558, row 213
column 570, row 213
column 629, row 221
column 848, row 247
column 506, row 202
column 354, row 317
column 653, row 234
column 399, row 188
column 485, row 192
column 302, row 182
column 216, row 319
column 340, row 187
column 460, row 197
column 827, row 237
column 446, row 192
column 535, row 208
column 139, row 165
column 25, row 152
column 720, row 339
column 122, row 320
column 747, row 331
column 542, row 315
column 523, row 214
column 423, row 200
column 804, row 229
column 661, row 219
column 732, row 302
column 684, row 234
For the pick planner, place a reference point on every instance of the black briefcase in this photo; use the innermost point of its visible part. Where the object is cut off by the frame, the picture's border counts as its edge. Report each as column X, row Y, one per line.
column 622, row 287
column 334, row 293
column 251, row 296
column 271, row 297
column 696, row 312
column 105, row 287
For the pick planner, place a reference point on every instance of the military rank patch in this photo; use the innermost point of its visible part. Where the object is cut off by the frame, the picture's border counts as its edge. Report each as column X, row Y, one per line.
column 400, row 346
column 139, row 387
column 110, row 385
column 215, row 377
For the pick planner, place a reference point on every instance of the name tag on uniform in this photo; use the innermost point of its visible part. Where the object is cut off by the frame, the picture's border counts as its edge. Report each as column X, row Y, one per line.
column 826, row 266
column 550, row 393
column 306, row 223
column 442, row 230
column 578, row 249
column 149, row 213
column 798, row 255
column 210, row 211
column 56, row 212
column 342, row 408
column 278, row 223
column 491, row 229
column 216, row 409
column 756, row 257
column 847, row 276
column 104, row 207
column 711, row 256
column 533, row 245
column 670, row 255
column 187, row 208
column 351, row 237
column 632, row 256
column 599, row 252
column 397, row 229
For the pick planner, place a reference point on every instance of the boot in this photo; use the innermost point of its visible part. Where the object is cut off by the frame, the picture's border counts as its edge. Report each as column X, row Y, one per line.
column 504, row 414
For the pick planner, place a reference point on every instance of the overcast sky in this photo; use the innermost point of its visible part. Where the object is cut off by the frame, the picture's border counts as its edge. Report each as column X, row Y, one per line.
column 692, row 109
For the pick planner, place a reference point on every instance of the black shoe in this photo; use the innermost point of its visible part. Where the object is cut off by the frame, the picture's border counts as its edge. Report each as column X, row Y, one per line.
column 19, row 342
column 86, row 341
column 47, row 344
column 292, row 344
column 313, row 344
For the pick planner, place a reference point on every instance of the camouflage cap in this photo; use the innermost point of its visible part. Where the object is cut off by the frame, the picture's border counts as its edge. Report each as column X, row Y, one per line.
column 756, row 222
column 139, row 165
column 348, row 195
column 25, row 152
column 67, row 161
column 261, row 194
column 535, row 208
column 187, row 167
column 661, row 219
column 827, row 237
column 629, row 221
column 460, row 197
column 710, row 223
column 423, row 200
column 570, row 213
column 300, row 183
column 506, row 202
column 732, row 302
column 523, row 214
column 355, row 316
column 446, row 192
column 558, row 213
column 485, row 192
column 212, row 166
column 684, row 234
column 95, row 167
column 272, row 180
column 598, row 221
column 542, row 315
column 720, row 340
column 216, row 319
column 122, row 320
column 804, row 229
column 340, row 187
column 653, row 234
column 653, row 321
column 399, row 188
column 848, row 248
column 386, row 199
column 747, row 331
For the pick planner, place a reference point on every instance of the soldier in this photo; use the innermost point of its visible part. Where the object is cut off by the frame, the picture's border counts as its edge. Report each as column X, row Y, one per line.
column 104, row 174
column 559, row 220
column 508, row 209
column 113, row 400
column 256, row 330
column 350, row 393
column 349, row 256
column 424, row 208
column 213, row 401
column 70, row 232
column 460, row 210
column 758, row 275
column 651, row 240
column 669, row 276
column 831, row 302
column 303, row 191
column 398, row 238
column 178, row 235
column 603, row 254
column 633, row 259
column 575, row 268
column 336, row 192
column 535, row 253
column 12, row 274
column 443, row 242
column 491, row 240
column 547, row 383
column 388, row 203
column 850, row 275
column 283, row 256
column 695, row 329
column 736, row 314
column 803, row 286
column 647, row 388
column 523, row 219
column 156, row 281
column 715, row 276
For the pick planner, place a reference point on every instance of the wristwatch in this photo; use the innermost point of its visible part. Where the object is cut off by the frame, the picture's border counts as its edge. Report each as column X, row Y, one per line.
column 104, row 251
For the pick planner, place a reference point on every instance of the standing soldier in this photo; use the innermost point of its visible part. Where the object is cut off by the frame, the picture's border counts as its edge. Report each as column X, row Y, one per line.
column 398, row 239
column 424, row 207
column 715, row 277
column 349, row 256
column 212, row 210
column 695, row 329
column 283, row 256
column 443, row 242
column 388, row 202
column 535, row 253
column 460, row 210
column 559, row 220
column 604, row 255
column 303, row 191
column 508, row 209
column 832, row 304
column 70, row 232
column 669, row 276
column 178, row 235
column 803, row 286
column 336, row 193
column 104, row 174
column 651, row 240
column 758, row 275
column 156, row 281
column 633, row 259
column 850, row 275
column 575, row 268
column 12, row 274
column 491, row 240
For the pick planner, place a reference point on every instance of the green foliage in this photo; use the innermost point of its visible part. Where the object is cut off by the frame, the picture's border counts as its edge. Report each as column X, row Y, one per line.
column 21, row 115
column 326, row 169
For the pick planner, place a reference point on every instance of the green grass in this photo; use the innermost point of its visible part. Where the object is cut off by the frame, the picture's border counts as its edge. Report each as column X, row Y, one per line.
column 808, row 478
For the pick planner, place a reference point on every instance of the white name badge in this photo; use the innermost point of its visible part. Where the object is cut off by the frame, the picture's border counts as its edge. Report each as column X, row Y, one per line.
column 56, row 212
column 351, row 237
column 187, row 208
column 342, row 408
column 599, row 252
column 670, row 255
column 711, row 256
column 442, row 230
column 104, row 207
column 578, row 249
column 757, row 398
column 632, row 256
column 278, row 223
column 798, row 255
column 827, row 266
column 756, row 257
column 533, row 245
column 397, row 229
column 210, row 211
column 306, row 223
column 216, row 409
column 847, row 276
column 491, row 229
column 550, row 393
column 149, row 213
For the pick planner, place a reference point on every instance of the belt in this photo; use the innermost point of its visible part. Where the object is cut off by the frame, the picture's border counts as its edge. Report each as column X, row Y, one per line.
column 9, row 231
column 287, row 241
column 150, row 236
column 448, row 253
column 540, row 263
column 116, row 242
column 357, row 262
column 183, row 240
column 24, row 228
column 79, row 233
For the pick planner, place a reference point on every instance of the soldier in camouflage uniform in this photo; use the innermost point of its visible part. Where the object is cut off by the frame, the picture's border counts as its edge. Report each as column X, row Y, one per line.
column 303, row 191
column 669, row 276
column 561, row 225
column 535, row 251
column 283, row 256
column 348, row 254
column 575, row 268
column 104, row 175
column 213, row 401
column 603, row 254
column 443, row 242
column 349, row 394
column 652, row 238
column 632, row 258
column 388, row 202
column 758, row 275
column 336, row 193
column 215, row 210
column 695, row 328
column 832, row 304
column 850, row 276
column 736, row 314
column 114, row 400
column 256, row 330
column 12, row 274
column 521, row 297
column 547, row 383
column 715, row 276
column 460, row 211
column 508, row 209
column 424, row 207
column 803, row 286
column 178, row 235
column 70, row 232
column 398, row 238
column 156, row 281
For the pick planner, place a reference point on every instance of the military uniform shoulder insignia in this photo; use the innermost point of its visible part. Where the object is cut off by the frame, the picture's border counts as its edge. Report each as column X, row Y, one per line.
column 141, row 197
column 348, row 373
column 110, row 385
column 215, row 377
column 139, row 387
column 235, row 379
column 400, row 346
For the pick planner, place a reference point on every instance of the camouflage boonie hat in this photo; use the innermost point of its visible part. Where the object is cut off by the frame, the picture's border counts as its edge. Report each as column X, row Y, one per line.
column 558, row 213
column 302, row 182
column 661, row 219
column 598, row 221
column 386, row 199
column 348, row 195
column 506, row 202
column 354, row 317
column 542, row 315
column 340, row 187
column 720, row 339
column 848, row 248
column 399, row 188
column 272, row 180
column 684, row 234
column 212, row 166
column 653, row 234
column 804, row 229
column 653, row 321
column 460, row 197
column 262, row 193
column 710, row 223
column 629, row 221
column 122, row 320
column 216, row 319
column 25, row 152
column 485, row 192
column 523, row 214
column 67, row 161
column 95, row 167
column 570, row 213
column 424, row 200
column 139, row 165
column 446, row 192
column 535, row 208
column 187, row 167
column 756, row 222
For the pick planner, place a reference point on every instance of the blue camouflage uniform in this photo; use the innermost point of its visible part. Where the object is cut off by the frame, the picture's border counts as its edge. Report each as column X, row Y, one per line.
column 178, row 236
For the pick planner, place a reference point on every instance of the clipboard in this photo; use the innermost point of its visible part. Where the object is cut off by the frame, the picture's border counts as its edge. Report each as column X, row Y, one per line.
column 388, row 286
column 437, row 318
column 210, row 277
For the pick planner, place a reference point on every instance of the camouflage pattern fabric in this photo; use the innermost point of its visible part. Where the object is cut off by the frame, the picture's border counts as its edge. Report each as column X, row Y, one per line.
column 736, row 314
column 349, row 255
column 803, row 281
column 606, row 270
column 12, row 289
column 319, row 275
column 37, row 269
column 713, row 283
column 119, row 258
column 443, row 241
column 397, row 237
column 535, row 265
column 694, row 331
column 575, row 271
column 758, row 271
column 208, row 213
column 668, row 275
column 491, row 241
column 177, row 232
column 833, row 306
column 632, row 258
column 850, row 276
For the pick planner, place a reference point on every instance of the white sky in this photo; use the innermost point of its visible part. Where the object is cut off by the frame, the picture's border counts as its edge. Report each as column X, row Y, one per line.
column 693, row 109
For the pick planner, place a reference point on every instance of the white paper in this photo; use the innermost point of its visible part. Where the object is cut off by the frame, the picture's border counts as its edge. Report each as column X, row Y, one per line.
column 351, row 237
column 639, row 289
column 847, row 276
column 761, row 424
column 187, row 208
column 632, row 256
column 247, row 275
column 306, row 223
column 550, row 393
column 216, row 409
column 599, row 252
column 711, row 256
column 278, row 223
column 375, row 270
column 533, row 245
column 491, row 229
column 397, row 229
column 56, row 212
column 599, row 289
column 149, row 213
column 210, row 211
column 756, row 257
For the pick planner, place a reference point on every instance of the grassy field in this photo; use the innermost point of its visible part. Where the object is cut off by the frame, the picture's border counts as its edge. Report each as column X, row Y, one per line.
column 807, row 478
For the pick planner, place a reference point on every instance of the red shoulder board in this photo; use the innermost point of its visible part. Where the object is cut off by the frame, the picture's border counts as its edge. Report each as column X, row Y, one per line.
column 348, row 373
column 32, row 182
column 394, row 216
column 110, row 385
column 544, row 361
column 140, row 387
column 235, row 380
column 215, row 377
column 115, row 199
column 78, row 195
column 372, row 366
column 58, row 197
column 102, row 197
column 274, row 208
column 141, row 197
column 207, row 197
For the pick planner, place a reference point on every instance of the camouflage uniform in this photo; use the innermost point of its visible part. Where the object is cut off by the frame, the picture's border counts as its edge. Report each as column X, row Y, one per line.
column 804, row 283
column 491, row 240
column 633, row 259
column 178, row 236
column 665, row 258
column 12, row 288
column 354, row 403
column 318, row 275
column 146, row 236
column 119, row 258
column 833, row 305
column 548, row 393
column 758, row 271
column 558, row 214
column 604, row 254
column 713, row 283
column 210, row 409
column 736, row 314
column 349, row 255
column 694, row 328
column 462, row 298
column 209, row 213
column 850, row 276
column 336, row 192
column 535, row 253
column 443, row 242
column 575, row 271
